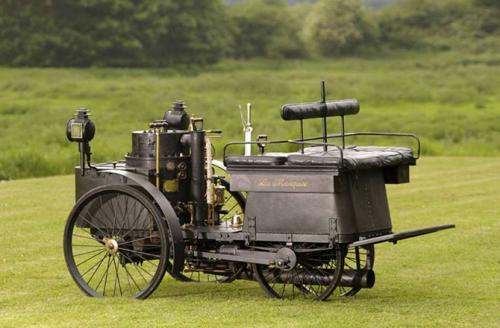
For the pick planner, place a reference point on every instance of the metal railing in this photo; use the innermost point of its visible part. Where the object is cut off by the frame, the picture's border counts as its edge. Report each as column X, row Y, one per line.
column 310, row 141
column 376, row 134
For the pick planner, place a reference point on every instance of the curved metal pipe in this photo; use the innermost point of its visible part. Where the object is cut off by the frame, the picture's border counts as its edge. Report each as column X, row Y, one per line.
column 350, row 278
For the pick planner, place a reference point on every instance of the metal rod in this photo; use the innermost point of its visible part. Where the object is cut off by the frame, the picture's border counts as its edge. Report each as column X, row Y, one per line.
column 343, row 131
column 249, row 114
column 323, row 93
column 210, row 186
column 325, row 139
column 323, row 101
column 248, row 130
column 302, row 135
column 157, row 158
column 394, row 237
column 82, row 157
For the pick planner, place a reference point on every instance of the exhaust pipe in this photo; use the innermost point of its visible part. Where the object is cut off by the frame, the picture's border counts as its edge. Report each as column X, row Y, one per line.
column 357, row 279
column 350, row 278
column 198, row 178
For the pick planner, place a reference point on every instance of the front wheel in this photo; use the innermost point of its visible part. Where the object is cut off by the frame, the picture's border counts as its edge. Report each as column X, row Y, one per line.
column 116, row 243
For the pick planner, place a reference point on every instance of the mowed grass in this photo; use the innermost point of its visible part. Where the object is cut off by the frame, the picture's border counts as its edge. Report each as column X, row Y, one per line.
column 447, row 279
column 452, row 100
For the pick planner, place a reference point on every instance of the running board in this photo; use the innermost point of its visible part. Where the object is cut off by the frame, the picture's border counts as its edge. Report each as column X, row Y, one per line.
column 395, row 237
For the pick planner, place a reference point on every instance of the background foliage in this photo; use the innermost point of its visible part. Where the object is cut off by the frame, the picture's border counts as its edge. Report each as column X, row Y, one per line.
column 451, row 100
column 428, row 67
column 111, row 32
column 132, row 33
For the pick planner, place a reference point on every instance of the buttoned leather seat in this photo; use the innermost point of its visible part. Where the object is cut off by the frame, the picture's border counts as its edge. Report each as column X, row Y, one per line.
column 354, row 158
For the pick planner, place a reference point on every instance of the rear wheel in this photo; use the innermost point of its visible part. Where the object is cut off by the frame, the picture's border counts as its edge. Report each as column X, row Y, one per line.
column 116, row 243
column 358, row 259
column 316, row 276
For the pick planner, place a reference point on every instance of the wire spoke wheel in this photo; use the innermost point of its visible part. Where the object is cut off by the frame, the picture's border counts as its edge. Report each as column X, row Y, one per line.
column 234, row 205
column 315, row 276
column 116, row 243
column 204, row 270
column 357, row 259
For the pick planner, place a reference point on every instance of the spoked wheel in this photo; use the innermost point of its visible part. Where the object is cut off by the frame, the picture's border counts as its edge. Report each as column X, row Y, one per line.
column 203, row 270
column 315, row 276
column 357, row 259
column 234, row 205
column 116, row 243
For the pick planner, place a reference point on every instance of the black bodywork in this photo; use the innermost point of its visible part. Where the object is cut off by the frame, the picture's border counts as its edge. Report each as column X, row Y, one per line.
column 317, row 202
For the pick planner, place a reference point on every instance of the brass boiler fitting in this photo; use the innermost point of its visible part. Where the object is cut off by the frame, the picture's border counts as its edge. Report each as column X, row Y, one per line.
column 210, row 182
column 158, row 127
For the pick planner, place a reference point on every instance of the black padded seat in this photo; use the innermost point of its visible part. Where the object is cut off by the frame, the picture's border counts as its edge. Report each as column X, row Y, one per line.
column 312, row 158
column 355, row 158
column 271, row 159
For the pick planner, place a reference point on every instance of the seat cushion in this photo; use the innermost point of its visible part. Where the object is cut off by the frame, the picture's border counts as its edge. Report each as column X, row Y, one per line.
column 354, row 158
column 268, row 159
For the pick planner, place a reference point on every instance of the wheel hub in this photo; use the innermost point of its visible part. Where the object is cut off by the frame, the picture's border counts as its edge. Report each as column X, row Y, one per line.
column 111, row 246
column 285, row 259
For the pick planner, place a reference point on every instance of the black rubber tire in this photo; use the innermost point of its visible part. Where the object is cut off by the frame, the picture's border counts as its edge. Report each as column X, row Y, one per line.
column 286, row 290
column 124, row 254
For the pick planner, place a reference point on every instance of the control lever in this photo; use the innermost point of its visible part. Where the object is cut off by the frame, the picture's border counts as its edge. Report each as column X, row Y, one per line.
column 262, row 143
column 247, row 128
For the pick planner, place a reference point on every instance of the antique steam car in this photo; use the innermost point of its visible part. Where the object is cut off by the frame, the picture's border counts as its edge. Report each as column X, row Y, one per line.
column 301, row 223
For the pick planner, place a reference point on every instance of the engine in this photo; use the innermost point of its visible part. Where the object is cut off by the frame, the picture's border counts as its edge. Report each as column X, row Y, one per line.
column 168, row 165
column 174, row 153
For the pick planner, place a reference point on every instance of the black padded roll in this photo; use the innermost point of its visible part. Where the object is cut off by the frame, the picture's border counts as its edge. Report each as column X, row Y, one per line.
column 314, row 110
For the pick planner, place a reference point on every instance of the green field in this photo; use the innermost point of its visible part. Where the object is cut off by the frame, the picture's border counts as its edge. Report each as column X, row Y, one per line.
column 451, row 100
column 447, row 279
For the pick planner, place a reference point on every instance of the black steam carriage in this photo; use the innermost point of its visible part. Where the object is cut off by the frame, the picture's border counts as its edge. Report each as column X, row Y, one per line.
column 302, row 223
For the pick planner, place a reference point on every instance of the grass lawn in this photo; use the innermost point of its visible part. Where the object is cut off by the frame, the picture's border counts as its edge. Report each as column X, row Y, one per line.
column 451, row 100
column 446, row 279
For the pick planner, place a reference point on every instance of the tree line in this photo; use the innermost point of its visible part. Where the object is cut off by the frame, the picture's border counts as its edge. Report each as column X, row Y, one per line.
column 158, row 33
